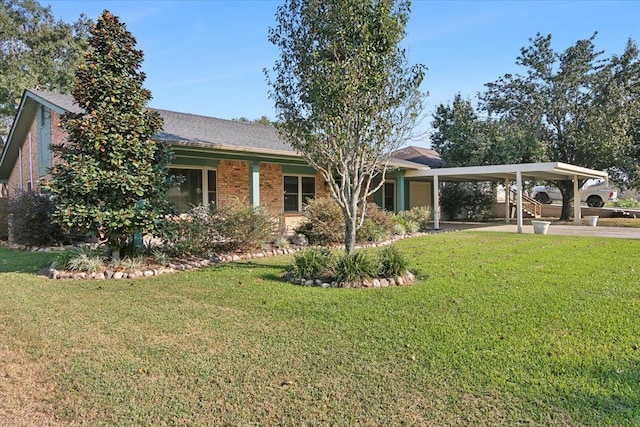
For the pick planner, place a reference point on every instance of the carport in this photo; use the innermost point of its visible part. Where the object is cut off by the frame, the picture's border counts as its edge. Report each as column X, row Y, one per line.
column 551, row 171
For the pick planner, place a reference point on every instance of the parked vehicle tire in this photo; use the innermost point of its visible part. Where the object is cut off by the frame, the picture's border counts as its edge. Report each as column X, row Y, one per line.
column 543, row 198
column 594, row 201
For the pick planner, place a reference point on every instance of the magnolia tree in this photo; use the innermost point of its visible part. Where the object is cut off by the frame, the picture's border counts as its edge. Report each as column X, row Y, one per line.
column 344, row 94
column 112, row 180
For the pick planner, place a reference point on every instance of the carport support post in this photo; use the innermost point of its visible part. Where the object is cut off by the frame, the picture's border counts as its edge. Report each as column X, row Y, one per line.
column 436, row 203
column 400, row 199
column 507, row 201
column 519, row 199
column 254, row 184
column 577, row 213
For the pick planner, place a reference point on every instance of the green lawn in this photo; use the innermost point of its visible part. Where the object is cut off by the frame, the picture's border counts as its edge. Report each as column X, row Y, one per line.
column 501, row 329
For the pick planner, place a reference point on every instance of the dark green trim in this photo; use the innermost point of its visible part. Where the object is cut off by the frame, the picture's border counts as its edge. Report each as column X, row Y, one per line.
column 298, row 170
column 193, row 161
column 189, row 152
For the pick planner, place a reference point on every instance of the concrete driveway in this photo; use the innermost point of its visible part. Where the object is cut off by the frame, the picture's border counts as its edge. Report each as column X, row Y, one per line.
column 554, row 229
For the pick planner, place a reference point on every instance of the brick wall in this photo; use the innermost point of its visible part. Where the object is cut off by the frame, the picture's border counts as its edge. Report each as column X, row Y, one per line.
column 271, row 187
column 233, row 181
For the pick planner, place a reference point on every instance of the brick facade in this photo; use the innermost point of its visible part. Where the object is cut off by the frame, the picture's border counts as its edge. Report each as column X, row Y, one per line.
column 233, row 181
column 271, row 187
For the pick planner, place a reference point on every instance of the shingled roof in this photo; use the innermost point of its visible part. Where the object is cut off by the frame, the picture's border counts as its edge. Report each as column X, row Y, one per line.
column 420, row 155
column 190, row 129
column 178, row 129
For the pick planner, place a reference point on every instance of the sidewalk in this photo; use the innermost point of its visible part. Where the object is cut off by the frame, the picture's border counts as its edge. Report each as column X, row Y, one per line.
column 554, row 229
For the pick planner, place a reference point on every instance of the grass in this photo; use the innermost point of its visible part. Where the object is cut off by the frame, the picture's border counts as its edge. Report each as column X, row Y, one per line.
column 502, row 329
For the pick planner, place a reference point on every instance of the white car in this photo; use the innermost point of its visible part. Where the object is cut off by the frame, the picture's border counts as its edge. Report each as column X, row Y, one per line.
column 594, row 195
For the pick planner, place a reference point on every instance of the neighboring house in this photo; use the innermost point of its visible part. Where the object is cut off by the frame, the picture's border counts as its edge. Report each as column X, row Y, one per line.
column 219, row 160
column 424, row 156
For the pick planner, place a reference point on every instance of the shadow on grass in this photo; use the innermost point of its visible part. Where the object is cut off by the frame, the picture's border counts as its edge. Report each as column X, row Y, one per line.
column 12, row 261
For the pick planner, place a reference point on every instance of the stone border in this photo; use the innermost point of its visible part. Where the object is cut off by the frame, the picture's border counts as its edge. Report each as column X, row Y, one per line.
column 193, row 264
column 376, row 282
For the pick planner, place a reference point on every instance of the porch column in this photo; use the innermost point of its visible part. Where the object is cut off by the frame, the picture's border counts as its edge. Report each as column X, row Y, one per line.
column 436, row 203
column 507, row 201
column 519, row 200
column 400, row 200
column 254, row 184
column 577, row 212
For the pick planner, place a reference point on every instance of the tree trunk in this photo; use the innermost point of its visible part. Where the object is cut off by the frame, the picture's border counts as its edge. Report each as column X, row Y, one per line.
column 350, row 235
column 567, row 197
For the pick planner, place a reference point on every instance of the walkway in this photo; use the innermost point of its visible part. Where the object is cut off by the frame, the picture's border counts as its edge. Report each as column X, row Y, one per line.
column 554, row 229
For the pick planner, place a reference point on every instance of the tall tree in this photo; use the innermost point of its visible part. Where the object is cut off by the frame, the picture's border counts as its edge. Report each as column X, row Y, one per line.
column 113, row 178
column 344, row 94
column 578, row 105
column 36, row 52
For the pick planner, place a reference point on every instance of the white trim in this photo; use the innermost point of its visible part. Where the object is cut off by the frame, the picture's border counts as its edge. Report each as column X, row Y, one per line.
column 298, row 175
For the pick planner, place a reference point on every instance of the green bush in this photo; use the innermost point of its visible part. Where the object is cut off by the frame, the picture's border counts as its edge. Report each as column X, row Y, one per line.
column 313, row 263
column 32, row 222
column 392, row 262
column 83, row 258
column 242, row 226
column 355, row 267
column 205, row 230
column 456, row 198
column 376, row 226
column 415, row 219
column 4, row 218
column 325, row 222
column 621, row 203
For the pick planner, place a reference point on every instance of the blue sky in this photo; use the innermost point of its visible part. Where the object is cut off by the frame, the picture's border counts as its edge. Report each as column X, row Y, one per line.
column 207, row 57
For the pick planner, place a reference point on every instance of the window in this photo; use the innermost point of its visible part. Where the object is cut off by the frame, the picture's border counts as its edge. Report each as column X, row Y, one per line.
column 389, row 196
column 297, row 190
column 198, row 187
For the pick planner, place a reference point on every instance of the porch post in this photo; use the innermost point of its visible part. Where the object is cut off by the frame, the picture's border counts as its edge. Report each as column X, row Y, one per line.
column 577, row 212
column 254, row 184
column 400, row 202
column 507, row 200
column 519, row 200
column 436, row 203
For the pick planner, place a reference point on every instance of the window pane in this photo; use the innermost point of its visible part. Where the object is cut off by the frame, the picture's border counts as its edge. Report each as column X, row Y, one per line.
column 308, row 188
column 389, row 196
column 189, row 192
column 291, row 195
column 212, row 184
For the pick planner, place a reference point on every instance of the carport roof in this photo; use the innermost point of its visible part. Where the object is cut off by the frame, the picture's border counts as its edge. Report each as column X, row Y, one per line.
column 550, row 171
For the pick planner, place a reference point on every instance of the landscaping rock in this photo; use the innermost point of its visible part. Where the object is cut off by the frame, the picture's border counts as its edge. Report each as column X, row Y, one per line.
column 384, row 283
column 118, row 275
column 99, row 276
column 308, row 282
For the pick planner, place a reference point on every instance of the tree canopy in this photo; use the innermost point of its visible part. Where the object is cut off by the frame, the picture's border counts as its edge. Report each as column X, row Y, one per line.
column 344, row 94
column 36, row 52
column 112, row 180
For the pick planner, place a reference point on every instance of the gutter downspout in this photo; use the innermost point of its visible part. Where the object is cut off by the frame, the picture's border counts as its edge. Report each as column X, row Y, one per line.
column 20, row 168
column 30, row 163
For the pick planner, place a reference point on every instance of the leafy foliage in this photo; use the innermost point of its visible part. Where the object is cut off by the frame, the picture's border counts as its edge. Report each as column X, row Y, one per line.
column 32, row 222
column 344, row 95
column 415, row 219
column 36, row 51
column 474, row 199
column 393, row 262
column 353, row 267
column 312, row 263
column 376, row 225
column 4, row 217
column 325, row 222
column 204, row 230
column 580, row 108
column 112, row 180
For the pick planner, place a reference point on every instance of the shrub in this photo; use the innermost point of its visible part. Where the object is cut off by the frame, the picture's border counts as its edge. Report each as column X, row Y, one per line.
column 376, row 226
column 82, row 258
column 399, row 229
column 312, row 263
column 242, row 226
column 456, row 198
column 355, row 267
column 204, row 230
column 32, row 222
column 129, row 263
column 4, row 218
column 392, row 262
column 325, row 222
column 417, row 218
column 621, row 203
